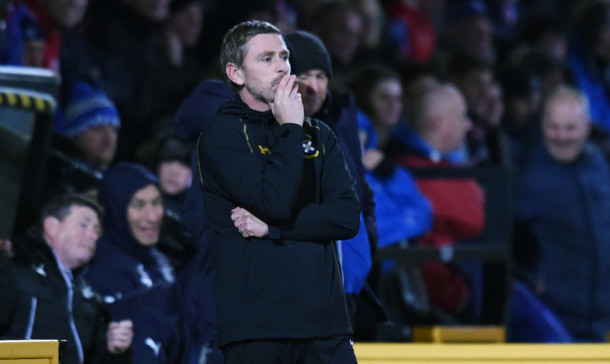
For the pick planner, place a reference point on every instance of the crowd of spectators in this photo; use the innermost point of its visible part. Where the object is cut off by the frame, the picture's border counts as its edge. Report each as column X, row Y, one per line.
column 522, row 85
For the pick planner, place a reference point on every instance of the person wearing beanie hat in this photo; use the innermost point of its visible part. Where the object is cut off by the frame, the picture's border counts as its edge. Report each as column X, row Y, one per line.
column 311, row 63
column 84, row 142
column 87, row 108
column 90, row 122
column 308, row 53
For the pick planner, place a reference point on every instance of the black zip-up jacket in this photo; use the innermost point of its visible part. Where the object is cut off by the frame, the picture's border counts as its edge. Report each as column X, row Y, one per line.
column 289, row 284
column 36, row 303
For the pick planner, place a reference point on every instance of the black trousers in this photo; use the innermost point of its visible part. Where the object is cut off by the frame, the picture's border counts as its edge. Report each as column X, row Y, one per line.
column 334, row 350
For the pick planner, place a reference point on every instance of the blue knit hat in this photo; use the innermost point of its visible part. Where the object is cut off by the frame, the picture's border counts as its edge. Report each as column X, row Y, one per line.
column 87, row 108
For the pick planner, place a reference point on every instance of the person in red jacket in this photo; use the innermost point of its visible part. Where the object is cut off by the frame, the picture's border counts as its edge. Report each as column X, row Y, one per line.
column 53, row 18
column 435, row 138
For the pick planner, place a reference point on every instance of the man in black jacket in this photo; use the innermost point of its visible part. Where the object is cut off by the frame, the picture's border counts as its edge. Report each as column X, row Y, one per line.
column 279, row 194
column 43, row 294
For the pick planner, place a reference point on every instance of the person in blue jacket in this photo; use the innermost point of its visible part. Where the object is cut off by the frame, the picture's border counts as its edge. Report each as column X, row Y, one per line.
column 589, row 61
column 563, row 196
column 278, row 194
column 402, row 211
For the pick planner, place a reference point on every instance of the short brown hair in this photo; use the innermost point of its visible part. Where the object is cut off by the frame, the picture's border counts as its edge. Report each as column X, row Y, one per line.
column 60, row 206
column 233, row 48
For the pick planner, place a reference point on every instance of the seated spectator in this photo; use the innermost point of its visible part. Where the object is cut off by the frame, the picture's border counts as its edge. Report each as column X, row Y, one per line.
column 545, row 34
column 184, row 69
column 434, row 138
column 589, row 59
column 182, row 30
column 25, row 40
column 43, row 294
column 127, row 259
column 85, row 141
column 412, row 30
column 469, row 30
column 53, row 17
column 550, row 71
column 377, row 44
column 487, row 143
column 521, row 118
column 339, row 25
column 563, row 196
column 123, row 36
column 402, row 212
column 415, row 78
column 172, row 166
column 173, row 169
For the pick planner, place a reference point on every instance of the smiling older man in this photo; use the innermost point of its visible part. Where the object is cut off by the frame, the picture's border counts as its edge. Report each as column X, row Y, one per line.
column 563, row 196
column 43, row 294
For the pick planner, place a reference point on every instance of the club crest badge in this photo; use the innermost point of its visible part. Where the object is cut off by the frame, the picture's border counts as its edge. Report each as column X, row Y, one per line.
column 309, row 150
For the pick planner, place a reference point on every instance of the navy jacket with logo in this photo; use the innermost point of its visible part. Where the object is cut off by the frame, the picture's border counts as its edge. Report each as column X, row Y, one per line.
column 288, row 284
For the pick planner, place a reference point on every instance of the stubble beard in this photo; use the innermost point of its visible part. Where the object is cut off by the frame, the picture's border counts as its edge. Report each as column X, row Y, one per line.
column 266, row 95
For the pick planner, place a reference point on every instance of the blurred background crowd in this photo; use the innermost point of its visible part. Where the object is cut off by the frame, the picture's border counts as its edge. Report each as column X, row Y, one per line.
column 446, row 84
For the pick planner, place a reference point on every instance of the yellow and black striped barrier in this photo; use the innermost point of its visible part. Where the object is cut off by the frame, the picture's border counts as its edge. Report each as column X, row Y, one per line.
column 37, row 102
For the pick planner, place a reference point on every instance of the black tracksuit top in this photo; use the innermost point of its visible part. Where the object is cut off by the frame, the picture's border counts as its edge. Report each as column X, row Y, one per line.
column 289, row 284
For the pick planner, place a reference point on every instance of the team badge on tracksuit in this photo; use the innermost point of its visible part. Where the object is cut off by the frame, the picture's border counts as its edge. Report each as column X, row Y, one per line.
column 309, row 150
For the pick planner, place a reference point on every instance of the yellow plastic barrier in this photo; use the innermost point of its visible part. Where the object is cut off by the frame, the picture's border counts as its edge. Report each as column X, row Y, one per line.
column 459, row 334
column 377, row 353
column 29, row 352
